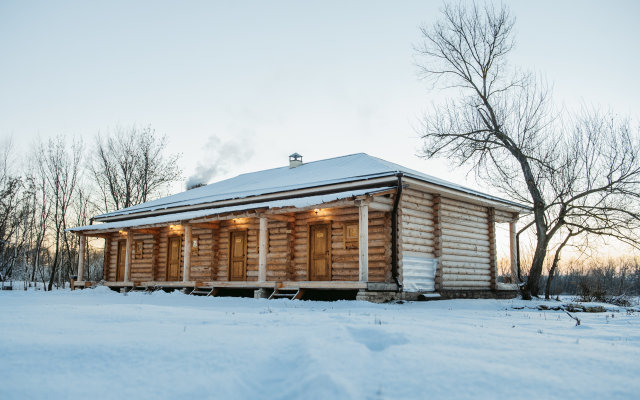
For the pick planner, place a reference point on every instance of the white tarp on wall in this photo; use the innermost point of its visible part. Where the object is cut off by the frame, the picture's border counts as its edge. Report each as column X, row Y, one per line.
column 419, row 274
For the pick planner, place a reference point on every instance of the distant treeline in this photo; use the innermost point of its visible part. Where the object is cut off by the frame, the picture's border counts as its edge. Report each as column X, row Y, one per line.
column 594, row 279
column 610, row 277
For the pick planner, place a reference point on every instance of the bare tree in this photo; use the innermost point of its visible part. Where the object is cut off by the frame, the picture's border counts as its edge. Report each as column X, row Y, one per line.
column 40, row 213
column 583, row 176
column 10, row 212
column 130, row 167
column 60, row 167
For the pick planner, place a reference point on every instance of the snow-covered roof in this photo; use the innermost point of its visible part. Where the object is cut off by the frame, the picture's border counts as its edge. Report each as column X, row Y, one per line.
column 298, row 202
column 350, row 168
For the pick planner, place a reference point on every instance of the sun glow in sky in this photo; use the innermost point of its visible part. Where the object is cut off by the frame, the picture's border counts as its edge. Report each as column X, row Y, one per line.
column 241, row 85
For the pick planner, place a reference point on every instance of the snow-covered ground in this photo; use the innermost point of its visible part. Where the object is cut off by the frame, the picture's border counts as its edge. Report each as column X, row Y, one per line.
column 100, row 344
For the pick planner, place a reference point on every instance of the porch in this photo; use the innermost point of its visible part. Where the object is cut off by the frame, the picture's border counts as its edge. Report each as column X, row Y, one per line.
column 344, row 244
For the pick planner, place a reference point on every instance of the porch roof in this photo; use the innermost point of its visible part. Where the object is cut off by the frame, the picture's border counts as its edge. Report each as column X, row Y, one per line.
column 298, row 202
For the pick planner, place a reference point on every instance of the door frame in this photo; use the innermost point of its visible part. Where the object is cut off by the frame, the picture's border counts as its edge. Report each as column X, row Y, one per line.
column 244, row 250
column 123, row 243
column 180, row 239
column 329, row 242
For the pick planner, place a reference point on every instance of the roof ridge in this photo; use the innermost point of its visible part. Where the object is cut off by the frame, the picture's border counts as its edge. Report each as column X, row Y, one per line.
column 303, row 164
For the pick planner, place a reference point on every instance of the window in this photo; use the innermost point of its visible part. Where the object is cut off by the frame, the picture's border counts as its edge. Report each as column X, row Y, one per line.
column 138, row 252
column 351, row 236
column 194, row 245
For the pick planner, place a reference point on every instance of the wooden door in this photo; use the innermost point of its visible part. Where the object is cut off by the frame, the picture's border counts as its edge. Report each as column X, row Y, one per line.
column 319, row 253
column 122, row 254
column 173, row 259
column 238, row 256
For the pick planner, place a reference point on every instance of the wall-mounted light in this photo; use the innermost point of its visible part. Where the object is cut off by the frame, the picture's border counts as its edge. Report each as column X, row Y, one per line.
column 124, row 233
column 316, row 210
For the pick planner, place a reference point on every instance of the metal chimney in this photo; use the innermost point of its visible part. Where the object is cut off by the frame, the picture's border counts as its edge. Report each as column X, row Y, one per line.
column 295, row 160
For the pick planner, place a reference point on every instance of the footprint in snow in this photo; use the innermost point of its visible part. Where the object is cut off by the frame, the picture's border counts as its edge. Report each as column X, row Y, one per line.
column 376, row 339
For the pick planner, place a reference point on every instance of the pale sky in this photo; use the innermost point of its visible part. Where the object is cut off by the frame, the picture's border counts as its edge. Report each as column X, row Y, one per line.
column 247, row 83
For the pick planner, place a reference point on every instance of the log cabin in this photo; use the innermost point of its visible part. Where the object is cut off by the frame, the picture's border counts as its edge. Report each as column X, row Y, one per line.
column 354, row 223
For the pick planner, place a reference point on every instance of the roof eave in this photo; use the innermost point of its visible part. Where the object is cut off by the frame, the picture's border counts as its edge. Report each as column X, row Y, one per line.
column 471, row 195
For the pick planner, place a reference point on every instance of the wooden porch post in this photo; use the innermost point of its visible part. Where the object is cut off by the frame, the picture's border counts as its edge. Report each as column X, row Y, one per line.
column 127, row 257
column 186, row 269
column 493, row 263
column 262, row 251
column 83, row 239
column 514, row 251
column 363, row 241
column 107, row 258
column 437, row 239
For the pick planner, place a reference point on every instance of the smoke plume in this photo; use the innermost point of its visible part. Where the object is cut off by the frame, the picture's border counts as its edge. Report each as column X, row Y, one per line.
column 220, row 156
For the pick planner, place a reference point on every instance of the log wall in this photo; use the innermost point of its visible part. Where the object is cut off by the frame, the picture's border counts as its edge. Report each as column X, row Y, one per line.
column 344, row 256
column 416, row 224
column 460, row 235
column 280, row 249
column 465, row 262
column 416, row 239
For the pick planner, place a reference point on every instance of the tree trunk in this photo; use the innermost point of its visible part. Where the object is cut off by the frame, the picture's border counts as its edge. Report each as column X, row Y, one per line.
column 554, row 265
column 532, row 287
column 547, row 289
column 54, row 267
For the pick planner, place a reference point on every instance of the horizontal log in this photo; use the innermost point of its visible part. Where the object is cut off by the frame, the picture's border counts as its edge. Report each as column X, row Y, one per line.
column 465, row 285
column 416, row 191
column 459, row 211
column 426, row 213
column 409, row 207
column 467, row 225
column 465, row 271
column 503, row 216
column 416, row 234
column 278, row 236
column 464, row 280
column 462, row 204
column 447, row 231
column 423, row 221
column 416, row 208
column 278, row 260
column 380, row 207
column 416, row 227
column 465, row 246
column 415, row 194
column 464, row 264
column 417, row 248
column 407, row 253
column 457, row 239
column 279, row 243
column 278, row 252
column 419, row 241
column 448, row 257
column 453, row 225
column 340, row 265
column 350, row 258
column 466, row 253
column 383, row 199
